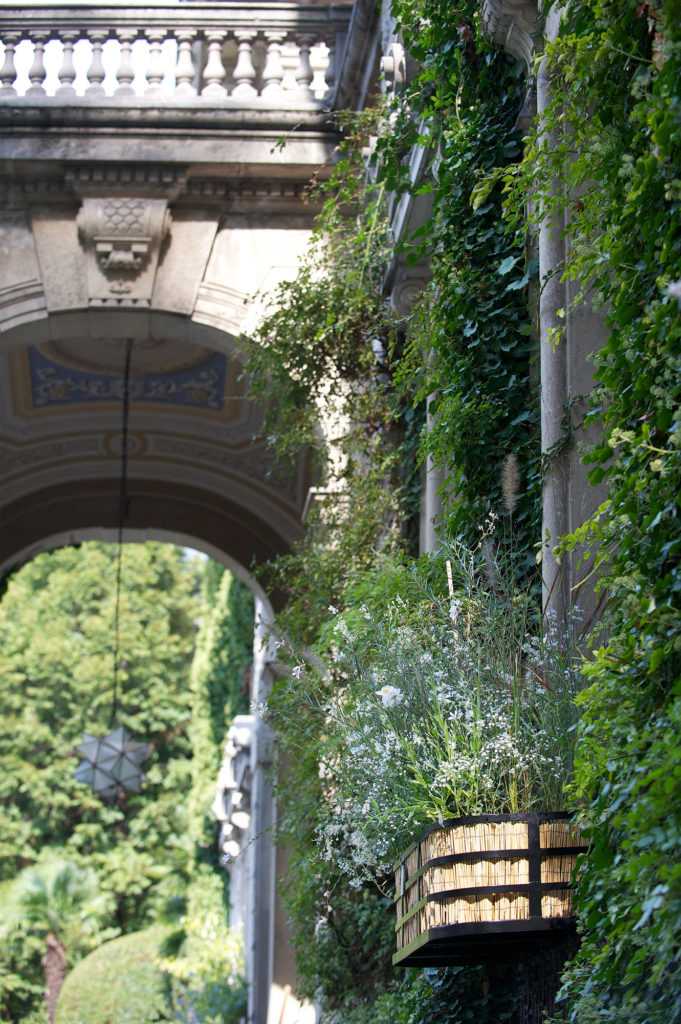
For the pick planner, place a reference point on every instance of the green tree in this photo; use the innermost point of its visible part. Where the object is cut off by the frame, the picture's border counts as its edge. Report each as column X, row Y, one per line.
column 56, row 656
column 206, row 974
column 61, row 904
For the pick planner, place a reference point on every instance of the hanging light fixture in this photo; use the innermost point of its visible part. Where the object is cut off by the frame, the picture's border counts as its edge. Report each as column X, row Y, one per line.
column 113, row 763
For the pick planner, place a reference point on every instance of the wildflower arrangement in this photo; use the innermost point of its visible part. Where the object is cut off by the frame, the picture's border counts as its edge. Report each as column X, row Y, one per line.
column 447, row 703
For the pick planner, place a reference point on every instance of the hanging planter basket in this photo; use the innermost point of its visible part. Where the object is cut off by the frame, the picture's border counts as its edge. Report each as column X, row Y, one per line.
column 488, row 887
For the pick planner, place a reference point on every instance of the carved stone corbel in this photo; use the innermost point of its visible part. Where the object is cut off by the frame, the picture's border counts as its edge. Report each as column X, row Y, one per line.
column 122, row 236
column 512, row 24
column 394, row 68
column 123, row 221
column 408, row 287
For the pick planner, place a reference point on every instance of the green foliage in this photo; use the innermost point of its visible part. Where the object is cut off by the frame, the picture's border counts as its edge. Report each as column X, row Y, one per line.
column 327, row 351
column 471, row 343
column 58, row 897
column 343, row 936
column 313, row 350
column 612, row 137
column 120, row 983
column 128, row 859
column 220, row 688
column 363, row 771
column 203, row 957
column 206, row 980
column 426, row 706
column 55, row 683
column 22, row 985
column 454, row 995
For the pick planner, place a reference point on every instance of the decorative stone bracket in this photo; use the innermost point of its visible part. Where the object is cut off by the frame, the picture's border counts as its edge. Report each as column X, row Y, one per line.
column 513, row 24
column 122, row 236
column 394, row 68
column 231, row 806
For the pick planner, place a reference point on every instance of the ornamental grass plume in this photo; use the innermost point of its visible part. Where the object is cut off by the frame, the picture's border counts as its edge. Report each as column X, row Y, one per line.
column 510, row 482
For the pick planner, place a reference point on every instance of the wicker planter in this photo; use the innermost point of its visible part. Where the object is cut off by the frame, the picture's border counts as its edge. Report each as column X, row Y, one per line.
column 485, row 888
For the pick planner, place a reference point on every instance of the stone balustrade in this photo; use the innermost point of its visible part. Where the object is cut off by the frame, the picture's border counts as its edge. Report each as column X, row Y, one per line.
column 229, row 55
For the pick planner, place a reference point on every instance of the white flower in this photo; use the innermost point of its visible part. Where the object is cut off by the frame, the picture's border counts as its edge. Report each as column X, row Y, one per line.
column 390, row 696
column 674, row 291
column 297, row 671
column 333, row 610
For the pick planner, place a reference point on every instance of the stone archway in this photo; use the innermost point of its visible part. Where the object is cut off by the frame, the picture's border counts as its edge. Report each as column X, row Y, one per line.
column 198, row 462
column 199, row 473
column 166, row 245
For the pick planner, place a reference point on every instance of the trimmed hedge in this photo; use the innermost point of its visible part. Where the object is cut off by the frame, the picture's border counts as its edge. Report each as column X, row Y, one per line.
column 119, row 983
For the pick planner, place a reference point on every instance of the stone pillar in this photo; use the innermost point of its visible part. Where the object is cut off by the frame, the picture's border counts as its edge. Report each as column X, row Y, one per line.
column 260, row 931
column 586, row 332
column 431, row 501
column 553, row 358
column 566, row 383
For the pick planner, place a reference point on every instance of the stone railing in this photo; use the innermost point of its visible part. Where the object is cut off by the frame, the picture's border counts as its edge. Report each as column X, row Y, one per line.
column 230, row 55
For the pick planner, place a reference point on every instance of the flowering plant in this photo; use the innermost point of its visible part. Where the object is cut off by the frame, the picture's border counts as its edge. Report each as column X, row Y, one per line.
column 444, row 704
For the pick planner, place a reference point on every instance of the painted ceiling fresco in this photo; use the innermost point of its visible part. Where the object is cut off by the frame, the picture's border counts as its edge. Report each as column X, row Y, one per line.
column 200, row 386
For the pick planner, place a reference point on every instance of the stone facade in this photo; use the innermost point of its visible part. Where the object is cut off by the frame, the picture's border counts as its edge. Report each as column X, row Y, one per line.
column 159, row 201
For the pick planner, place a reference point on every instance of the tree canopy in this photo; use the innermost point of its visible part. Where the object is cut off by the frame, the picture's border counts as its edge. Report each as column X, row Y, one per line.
column 56, row 657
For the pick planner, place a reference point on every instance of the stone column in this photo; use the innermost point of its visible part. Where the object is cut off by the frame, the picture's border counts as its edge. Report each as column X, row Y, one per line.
column 566, row 383
column 553, row 376
column 260, row 930
column 431, row 500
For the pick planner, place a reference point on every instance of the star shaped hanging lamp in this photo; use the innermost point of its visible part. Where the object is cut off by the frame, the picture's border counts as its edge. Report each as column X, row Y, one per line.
column 112, row 764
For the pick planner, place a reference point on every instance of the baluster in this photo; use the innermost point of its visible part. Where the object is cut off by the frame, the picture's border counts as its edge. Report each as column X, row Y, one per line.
column 155, row 70
column 273, row 72
column 96, row 73
column 304, row 72
column 330, row 75
column 67, row 72
column 214, row 72
column 289, row 59
column 126, row 72
column 37, row 73
column 184, row 69
column 244, row 72
column 8, row 71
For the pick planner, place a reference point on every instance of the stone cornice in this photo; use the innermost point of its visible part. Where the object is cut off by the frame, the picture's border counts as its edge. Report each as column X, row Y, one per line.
column 192, row 16
column 512, row 24
column 71, row 184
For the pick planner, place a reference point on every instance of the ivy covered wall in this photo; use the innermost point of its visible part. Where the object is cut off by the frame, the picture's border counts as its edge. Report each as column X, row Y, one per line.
column 605, row 161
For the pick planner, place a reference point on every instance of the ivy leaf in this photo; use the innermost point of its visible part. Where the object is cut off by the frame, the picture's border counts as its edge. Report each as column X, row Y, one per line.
column 521, row 418
column 518, row 284
column 507, row 265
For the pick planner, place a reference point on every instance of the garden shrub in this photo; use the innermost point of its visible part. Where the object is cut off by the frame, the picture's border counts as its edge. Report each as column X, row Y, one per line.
column 120, row 983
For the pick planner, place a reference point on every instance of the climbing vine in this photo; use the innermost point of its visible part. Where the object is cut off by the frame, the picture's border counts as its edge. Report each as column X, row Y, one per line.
column 611, row 139
column 616, row 130
column 472, row 345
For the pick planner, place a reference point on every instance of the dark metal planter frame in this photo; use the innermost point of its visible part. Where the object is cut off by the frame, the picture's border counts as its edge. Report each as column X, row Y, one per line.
column 485, row 941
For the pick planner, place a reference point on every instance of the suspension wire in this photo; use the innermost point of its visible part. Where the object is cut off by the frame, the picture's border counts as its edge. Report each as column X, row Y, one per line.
column 122, row 516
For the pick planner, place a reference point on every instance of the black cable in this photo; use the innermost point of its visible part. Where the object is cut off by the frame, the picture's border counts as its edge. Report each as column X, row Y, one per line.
column 122, row 515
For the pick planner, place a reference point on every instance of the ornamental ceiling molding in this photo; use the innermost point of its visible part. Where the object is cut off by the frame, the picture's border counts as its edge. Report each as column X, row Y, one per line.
column 513, row 25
